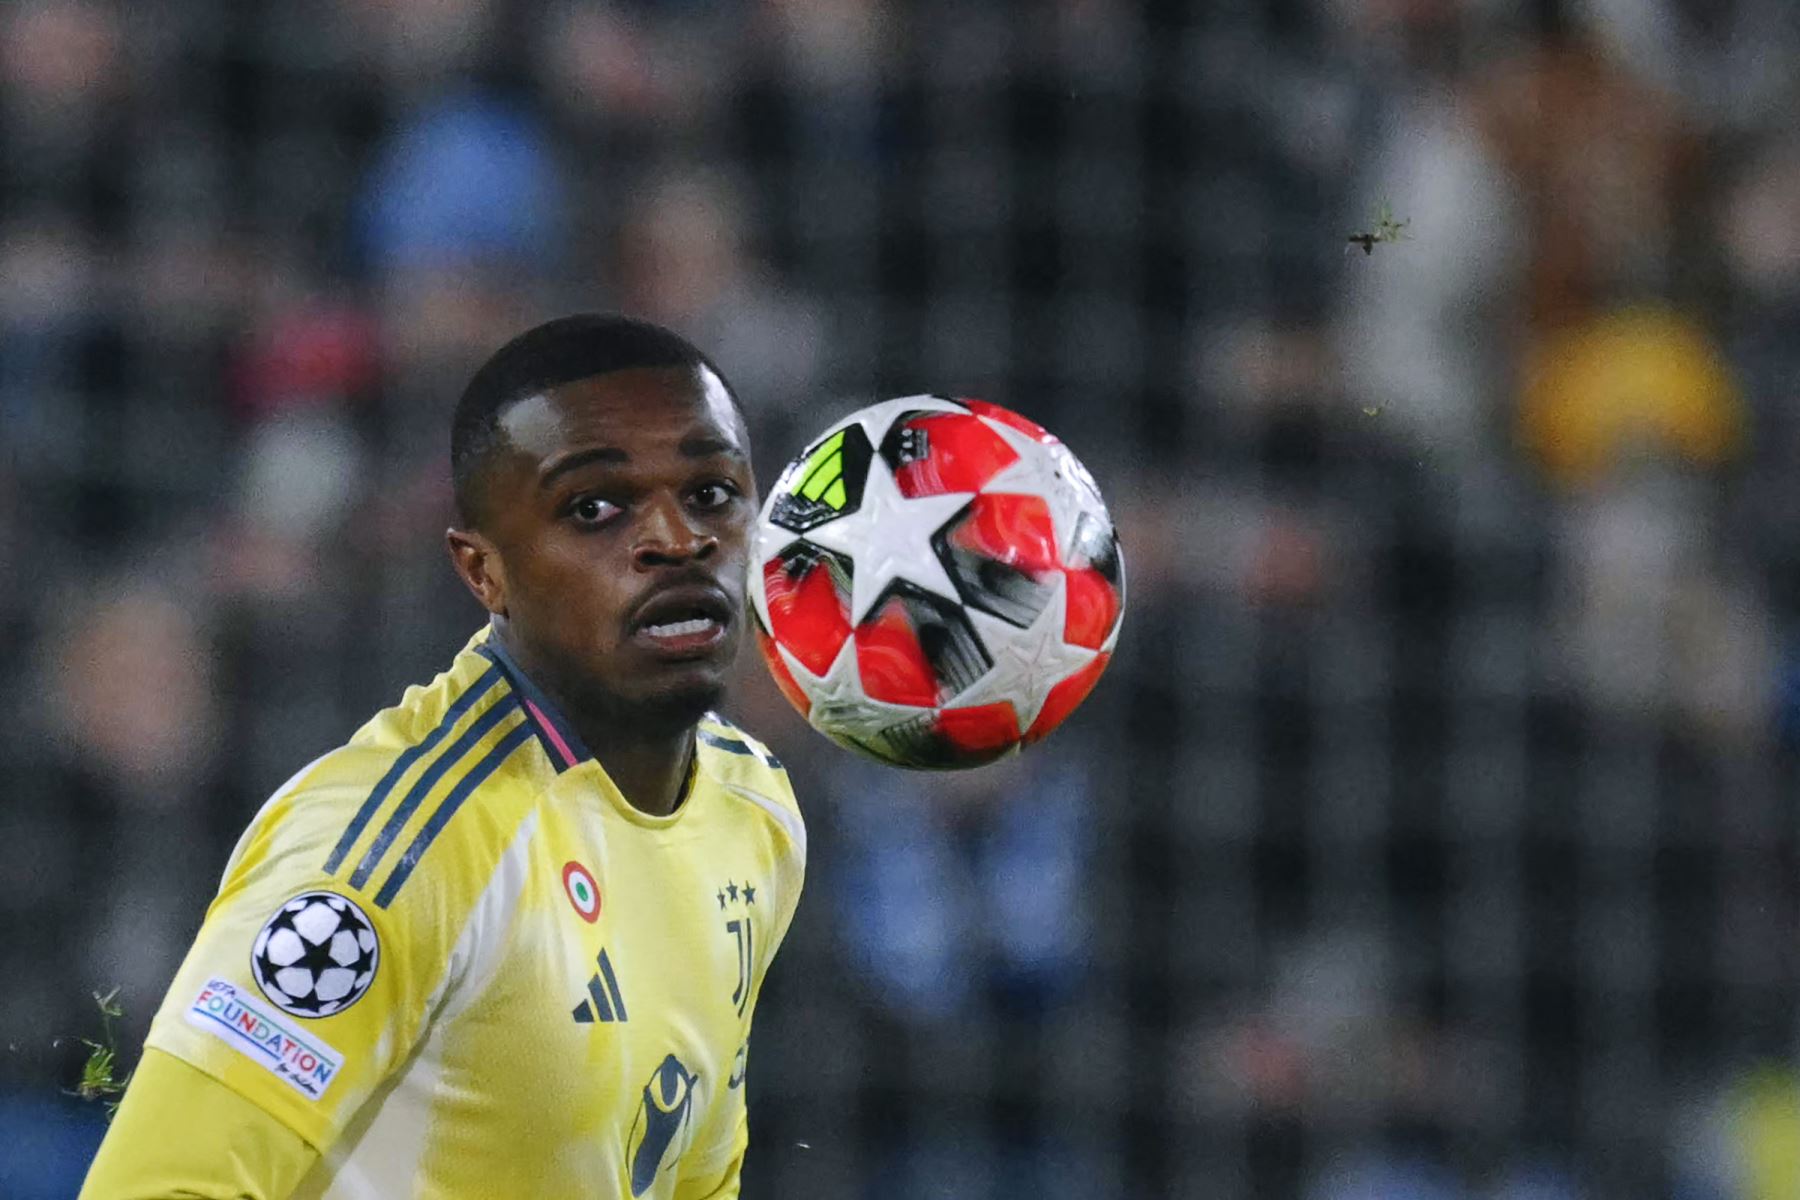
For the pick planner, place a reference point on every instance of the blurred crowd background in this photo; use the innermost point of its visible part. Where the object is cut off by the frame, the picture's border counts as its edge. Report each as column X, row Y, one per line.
column 1432, row 835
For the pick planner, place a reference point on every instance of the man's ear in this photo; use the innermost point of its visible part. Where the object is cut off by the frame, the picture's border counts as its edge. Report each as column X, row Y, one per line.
column 477, row 562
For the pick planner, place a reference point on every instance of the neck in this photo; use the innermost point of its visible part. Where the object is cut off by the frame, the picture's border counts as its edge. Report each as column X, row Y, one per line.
column 650, row 770
column 649, row 766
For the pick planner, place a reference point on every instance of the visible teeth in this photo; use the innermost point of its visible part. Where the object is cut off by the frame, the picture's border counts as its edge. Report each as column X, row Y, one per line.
column 680, row 628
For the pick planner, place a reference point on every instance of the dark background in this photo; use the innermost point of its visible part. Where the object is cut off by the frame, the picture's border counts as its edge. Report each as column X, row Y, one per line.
column 1432, row 834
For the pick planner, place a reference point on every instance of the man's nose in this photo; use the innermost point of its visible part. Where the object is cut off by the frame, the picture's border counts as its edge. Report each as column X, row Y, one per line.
column 666, row 537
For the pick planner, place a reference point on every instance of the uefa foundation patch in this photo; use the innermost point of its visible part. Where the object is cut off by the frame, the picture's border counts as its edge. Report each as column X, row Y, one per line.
column 257, row 1031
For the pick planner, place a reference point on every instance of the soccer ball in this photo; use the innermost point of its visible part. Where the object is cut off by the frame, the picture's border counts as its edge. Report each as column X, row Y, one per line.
column 316, row 956
column 936, row 582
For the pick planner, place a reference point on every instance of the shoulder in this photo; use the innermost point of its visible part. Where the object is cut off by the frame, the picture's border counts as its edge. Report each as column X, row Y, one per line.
column 747, row 771
column 717, row 733
column 430, row 789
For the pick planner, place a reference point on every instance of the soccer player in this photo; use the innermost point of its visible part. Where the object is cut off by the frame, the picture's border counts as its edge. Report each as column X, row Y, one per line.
column 507, row 941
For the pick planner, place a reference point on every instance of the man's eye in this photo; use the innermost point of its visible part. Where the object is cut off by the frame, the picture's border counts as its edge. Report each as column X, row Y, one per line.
column 591, row 510
column 714, row 495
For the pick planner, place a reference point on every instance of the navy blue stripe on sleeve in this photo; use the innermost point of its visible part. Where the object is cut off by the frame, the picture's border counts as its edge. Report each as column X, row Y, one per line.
column 415, row 796
column 733, row 745
column 435, row 825
column 729, row 745
column 412, row 754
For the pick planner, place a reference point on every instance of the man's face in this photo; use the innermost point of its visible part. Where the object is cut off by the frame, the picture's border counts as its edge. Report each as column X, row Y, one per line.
column 619, row 510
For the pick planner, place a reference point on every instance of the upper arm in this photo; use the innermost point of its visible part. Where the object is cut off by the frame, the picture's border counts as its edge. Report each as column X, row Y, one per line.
column 302, row 993
column 776, row 798
column 182, row 1133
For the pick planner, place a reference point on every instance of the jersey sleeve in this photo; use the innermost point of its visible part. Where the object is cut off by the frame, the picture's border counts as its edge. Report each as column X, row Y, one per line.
column 789, row 852
column 750, row 772
column 151, row 1151
column 303, row 992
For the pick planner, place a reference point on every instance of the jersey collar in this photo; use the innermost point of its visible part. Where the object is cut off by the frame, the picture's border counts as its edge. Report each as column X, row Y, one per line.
column 559, row 739
column 554, row 733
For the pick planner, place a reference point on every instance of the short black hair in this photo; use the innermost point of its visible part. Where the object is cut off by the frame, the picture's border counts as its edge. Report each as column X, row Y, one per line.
column 557, row 352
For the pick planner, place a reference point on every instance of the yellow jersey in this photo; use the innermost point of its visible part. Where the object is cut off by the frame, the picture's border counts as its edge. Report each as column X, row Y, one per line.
column 454, row 960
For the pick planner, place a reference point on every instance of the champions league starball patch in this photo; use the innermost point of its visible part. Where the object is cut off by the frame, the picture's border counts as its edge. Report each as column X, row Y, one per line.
column 316, row 956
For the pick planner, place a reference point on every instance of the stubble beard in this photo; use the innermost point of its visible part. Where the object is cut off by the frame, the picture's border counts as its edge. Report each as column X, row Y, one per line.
column 592, row 705
column 658, row 715
column 655, row 713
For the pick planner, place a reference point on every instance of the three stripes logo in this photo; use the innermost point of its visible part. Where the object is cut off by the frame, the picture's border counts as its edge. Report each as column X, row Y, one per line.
column 822, row 476
column 447, row 776
column 827, row 483
column 604, row 1001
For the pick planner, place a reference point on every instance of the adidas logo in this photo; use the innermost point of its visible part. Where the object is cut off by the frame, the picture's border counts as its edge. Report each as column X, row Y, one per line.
column 822, row 478
column 605, row 1002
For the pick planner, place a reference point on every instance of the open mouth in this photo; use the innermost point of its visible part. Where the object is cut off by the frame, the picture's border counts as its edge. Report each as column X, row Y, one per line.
column 682, row 621
column 684, row 638
column 681, row 629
